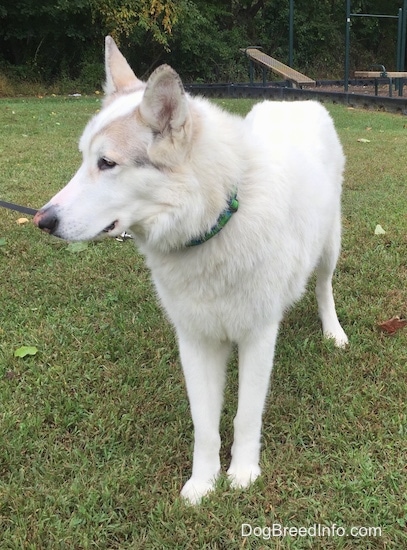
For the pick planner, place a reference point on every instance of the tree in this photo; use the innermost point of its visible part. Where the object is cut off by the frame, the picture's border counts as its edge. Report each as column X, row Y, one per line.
column 48, row 38
column 54, row 39
column 121, row 18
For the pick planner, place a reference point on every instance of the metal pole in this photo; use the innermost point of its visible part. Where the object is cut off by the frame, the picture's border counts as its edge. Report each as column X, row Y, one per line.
column 251, row 72
column 403, row 37
column 291, row 34
column 347, row 47
column 398, row 59
column 399, row 34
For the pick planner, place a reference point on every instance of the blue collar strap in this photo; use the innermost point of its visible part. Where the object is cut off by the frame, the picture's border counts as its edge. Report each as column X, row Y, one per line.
column 226, row 214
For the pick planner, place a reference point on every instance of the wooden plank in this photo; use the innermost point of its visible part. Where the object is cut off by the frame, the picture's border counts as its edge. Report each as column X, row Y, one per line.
column 379, row 74
column 276, row 66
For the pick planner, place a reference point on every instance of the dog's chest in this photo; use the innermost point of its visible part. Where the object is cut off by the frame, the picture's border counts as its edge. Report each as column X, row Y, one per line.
column 223, row 300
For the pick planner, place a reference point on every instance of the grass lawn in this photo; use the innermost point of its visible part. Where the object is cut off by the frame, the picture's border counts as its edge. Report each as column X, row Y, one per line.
column 95, row 431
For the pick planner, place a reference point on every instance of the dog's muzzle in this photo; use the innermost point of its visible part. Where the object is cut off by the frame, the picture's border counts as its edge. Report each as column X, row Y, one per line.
column 47, row 219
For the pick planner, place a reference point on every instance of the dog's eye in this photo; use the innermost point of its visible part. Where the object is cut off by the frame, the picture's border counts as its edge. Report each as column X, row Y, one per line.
column 106, row 164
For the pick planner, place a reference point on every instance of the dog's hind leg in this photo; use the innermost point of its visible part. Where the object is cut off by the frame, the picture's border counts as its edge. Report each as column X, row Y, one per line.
column 204, row 364
column 255, row 365
column 326, row 304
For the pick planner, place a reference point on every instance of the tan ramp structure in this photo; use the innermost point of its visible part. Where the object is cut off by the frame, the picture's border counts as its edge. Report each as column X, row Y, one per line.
column 297, row 80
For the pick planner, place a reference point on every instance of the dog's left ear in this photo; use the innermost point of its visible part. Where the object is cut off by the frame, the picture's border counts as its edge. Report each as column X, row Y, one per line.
column 164, row 106
column 119, row 76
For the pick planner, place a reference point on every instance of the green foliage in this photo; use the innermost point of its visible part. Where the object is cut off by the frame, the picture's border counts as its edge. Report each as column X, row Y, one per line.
column 63, row 40
column 204, row 47
column 121, row 18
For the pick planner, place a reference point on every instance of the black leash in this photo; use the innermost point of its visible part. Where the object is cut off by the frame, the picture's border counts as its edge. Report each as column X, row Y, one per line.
column 18, row 208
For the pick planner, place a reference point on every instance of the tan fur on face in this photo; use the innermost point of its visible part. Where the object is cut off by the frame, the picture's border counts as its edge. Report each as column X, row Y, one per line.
column 128, row 140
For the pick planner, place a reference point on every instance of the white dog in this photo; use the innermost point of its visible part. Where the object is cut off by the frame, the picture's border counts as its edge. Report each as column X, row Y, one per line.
column 232, row 215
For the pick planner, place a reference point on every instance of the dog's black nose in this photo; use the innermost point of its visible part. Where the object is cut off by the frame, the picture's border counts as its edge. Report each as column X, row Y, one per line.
column 47, row 219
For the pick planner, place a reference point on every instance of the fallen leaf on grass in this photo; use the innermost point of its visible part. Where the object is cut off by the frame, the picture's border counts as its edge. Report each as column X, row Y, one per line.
column 3, row 241
column 74, row 248
column 379, row 230
column 363, row 140
column 22, row 221
column 25, row 350
column 393, row 325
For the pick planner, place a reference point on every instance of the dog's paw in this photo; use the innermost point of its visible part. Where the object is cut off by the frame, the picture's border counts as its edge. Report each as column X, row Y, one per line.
column 339, row 337
column 242, row 477
column 194, row 490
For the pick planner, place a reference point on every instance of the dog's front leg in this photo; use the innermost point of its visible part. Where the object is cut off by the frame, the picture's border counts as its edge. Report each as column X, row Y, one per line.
column 204, row 365
column 256, row 354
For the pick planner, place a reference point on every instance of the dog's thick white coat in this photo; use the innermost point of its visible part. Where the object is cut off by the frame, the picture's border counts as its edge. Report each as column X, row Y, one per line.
column 178, row 159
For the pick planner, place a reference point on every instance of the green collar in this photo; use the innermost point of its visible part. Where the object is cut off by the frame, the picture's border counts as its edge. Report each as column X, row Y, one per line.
column 226, row 214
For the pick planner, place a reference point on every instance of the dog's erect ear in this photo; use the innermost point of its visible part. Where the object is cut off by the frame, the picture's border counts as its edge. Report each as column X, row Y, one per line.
column 164, row 105
column 119, row 76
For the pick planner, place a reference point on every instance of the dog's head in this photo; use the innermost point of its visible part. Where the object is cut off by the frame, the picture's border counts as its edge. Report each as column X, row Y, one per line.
column 131, row 149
